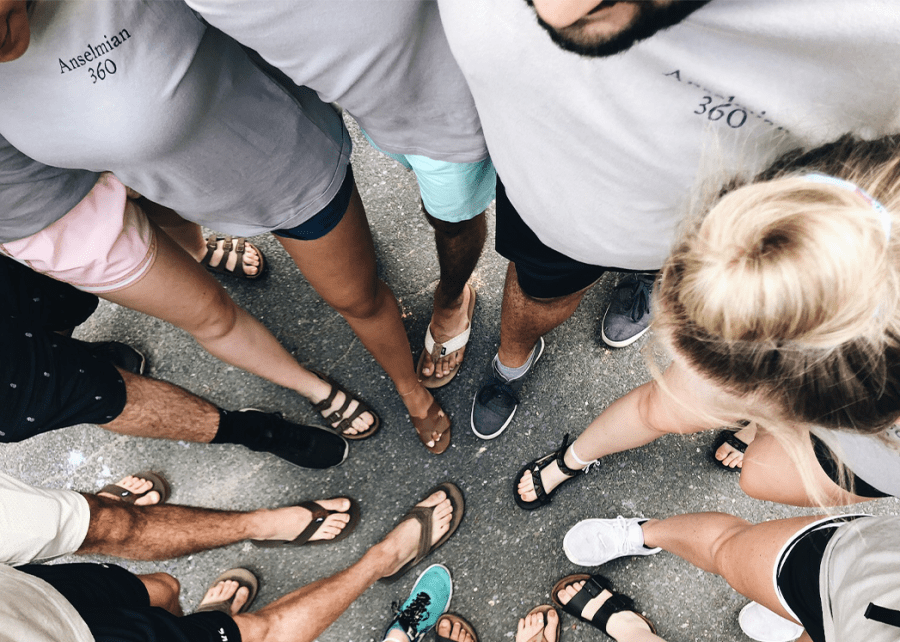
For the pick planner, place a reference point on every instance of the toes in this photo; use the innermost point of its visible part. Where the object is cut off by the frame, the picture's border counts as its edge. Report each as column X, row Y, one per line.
column 338, row 503
column 149, row 499
column 443, row 627
column 552, row 622
column 240, row 599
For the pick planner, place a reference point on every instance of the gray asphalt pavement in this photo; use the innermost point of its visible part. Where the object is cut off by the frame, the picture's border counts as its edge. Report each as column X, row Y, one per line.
column 503, row 560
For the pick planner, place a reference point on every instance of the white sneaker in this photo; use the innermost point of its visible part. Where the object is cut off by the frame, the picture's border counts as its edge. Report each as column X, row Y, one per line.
column 761, row 624
column 593, row 542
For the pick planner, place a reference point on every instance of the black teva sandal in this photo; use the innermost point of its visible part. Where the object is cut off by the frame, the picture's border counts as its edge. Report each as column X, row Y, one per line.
column 594, row 585
column 536, row 466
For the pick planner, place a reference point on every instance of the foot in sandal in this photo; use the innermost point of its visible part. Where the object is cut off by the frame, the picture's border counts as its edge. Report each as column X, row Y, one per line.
column 346, row 413
column 454, row 628
column 729, row 447
column 591, row 599
column 140, row 489
column 424, row 528
column 540, row 625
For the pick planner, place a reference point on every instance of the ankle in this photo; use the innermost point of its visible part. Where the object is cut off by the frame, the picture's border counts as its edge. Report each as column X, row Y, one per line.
column 572, row 461
column 647, row 528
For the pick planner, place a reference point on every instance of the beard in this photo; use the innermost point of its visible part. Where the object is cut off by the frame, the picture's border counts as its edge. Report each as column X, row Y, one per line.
column 649, row 19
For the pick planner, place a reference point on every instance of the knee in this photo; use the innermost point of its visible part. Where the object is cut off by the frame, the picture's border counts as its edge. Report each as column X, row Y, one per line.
column 361, row 303
column 451, row 230
column 163, row 590
column 216, row 319
column 752, row 482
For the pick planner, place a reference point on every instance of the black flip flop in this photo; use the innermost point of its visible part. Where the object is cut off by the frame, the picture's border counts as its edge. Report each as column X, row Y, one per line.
column 159, row 484
column 726, row 437
column 319, row 515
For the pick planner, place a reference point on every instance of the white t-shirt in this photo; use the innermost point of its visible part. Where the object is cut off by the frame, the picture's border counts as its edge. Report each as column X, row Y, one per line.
column 176, row 110
column 386, row 62
column 33, row 611
column 38, row 524
column 600, row 155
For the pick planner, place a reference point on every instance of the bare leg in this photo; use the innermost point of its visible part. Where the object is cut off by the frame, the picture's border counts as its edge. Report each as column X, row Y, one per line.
column 162, row 410
column 742, row 553
column 163, row 590
column 190, row 237
column 459, row 247
column 769, row 473
column 643, row 415
column 163, row 532
column 303, row 614
column 178, row 290
column 524, row 320
column 341, row 268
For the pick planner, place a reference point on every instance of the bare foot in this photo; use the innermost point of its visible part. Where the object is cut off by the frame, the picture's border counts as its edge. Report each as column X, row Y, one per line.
column 136, row 486
column 287, row 523
column 403, row 541
column 446, row 324
column 223, row 591
column 251, row 256
column 532, row 628
column 620, row 625
column 451, row 630
column 319, row 391
column 729, row 455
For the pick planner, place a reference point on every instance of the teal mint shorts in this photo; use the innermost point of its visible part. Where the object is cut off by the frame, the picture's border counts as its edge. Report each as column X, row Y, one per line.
column 452, row 192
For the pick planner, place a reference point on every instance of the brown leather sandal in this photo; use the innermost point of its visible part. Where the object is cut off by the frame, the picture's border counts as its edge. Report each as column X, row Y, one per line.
column 245, row 579
column 434, row 422
column 230, row 244
column 159, row 484
column 454, row 619
column 338, row 420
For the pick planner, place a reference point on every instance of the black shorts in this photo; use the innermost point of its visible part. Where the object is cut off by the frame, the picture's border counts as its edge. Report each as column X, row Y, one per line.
column 116, row 607
column 326, row 220
column 798, row 576
column 48, row 381
column 829, row 464
column 542, row 272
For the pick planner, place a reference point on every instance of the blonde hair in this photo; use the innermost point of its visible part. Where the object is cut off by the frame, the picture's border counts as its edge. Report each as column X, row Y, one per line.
column 788, row 290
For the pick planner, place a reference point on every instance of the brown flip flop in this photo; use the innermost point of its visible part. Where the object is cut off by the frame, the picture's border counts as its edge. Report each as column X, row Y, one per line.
column 543, row 609
column 245, row 579
column 422, row 514
column 454, row 619
column 319, row 515
column 435, row 421
column 438, row 350
column 159, row 484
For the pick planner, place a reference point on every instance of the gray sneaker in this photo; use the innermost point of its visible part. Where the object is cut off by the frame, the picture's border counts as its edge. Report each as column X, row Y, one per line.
column 496, row 401
column 627, row 318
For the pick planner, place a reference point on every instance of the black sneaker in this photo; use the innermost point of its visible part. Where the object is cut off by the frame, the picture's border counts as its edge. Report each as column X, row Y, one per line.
column 121, row 355
column 306, row 446
column 627, row 318
column 495, row 403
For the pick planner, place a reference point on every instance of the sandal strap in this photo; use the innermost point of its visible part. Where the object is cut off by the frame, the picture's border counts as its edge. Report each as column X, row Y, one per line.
column 422, row 514
column 122, row 493
column 325, row 404
column 610, row 607
column 561, row 459
column 336, row 416
column 319, row 515
column 438, row 350
column 542, row 497
column 347, row 422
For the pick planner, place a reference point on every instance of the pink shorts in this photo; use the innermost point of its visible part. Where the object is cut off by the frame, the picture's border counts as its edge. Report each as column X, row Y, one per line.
column 103, row 244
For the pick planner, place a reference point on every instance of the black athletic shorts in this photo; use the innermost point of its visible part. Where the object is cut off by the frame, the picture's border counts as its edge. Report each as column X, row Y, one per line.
column 798, row 575
column 542, row 272
column 829, row 464
column 48, row 381
column 327, row 219
column 116, row 607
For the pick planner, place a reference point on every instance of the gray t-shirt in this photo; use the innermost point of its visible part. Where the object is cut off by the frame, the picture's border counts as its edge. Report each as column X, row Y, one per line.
column 600, row 155
column 875, row 460
column 386, row 62
column 35, row 195
column 176, row 110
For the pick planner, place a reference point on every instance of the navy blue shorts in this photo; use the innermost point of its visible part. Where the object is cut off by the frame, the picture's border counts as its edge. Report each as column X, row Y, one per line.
column 326, row 220
column 542, row 272
column 116, row 607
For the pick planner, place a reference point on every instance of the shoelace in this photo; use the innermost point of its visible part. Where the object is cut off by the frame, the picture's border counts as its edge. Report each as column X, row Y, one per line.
column 498, row 390
column 623, row 545
column 640, row 301
column 410, row 617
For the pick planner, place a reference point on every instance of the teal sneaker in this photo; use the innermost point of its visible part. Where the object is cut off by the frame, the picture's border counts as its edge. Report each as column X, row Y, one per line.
column 429, row 599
